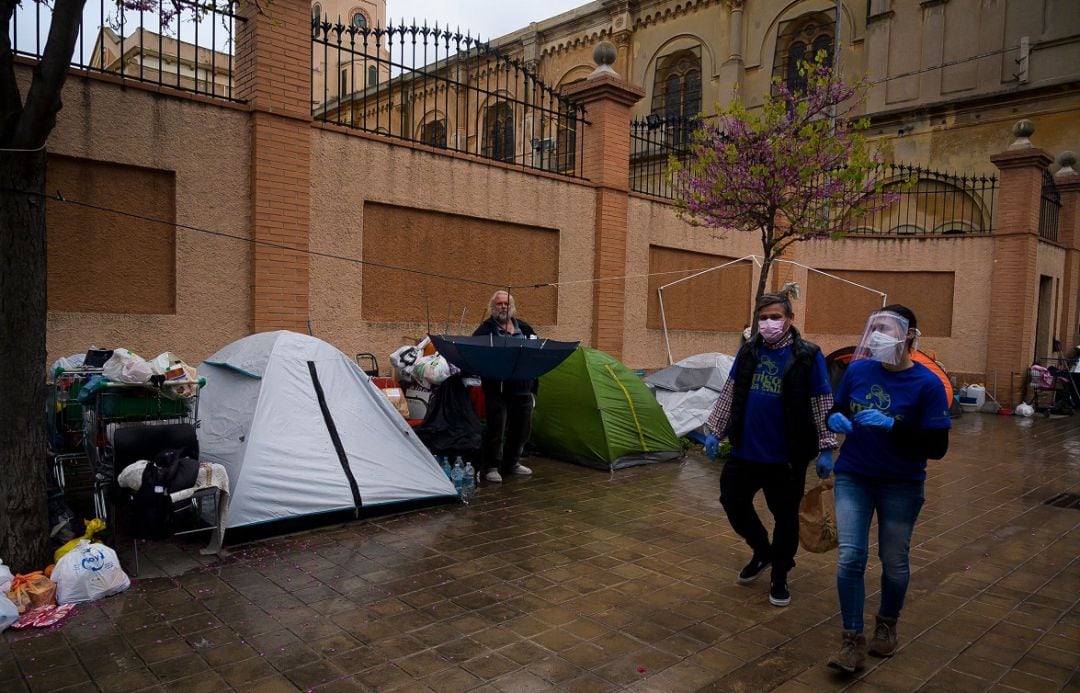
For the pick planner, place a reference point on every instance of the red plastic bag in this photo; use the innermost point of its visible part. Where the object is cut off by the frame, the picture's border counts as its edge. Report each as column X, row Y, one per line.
column 43, row 616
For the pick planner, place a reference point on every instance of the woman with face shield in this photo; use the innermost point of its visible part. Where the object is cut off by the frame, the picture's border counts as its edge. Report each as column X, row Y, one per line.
column 895, row 416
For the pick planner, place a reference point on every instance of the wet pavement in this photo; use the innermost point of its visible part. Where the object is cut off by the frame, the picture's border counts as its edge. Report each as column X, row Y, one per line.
column 580, row 580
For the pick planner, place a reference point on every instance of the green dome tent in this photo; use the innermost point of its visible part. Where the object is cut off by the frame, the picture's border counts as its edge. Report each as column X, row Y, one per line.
column 594, row 411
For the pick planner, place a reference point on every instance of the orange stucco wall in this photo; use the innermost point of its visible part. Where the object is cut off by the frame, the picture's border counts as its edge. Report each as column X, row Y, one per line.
column 206, row 147
column 350, row 173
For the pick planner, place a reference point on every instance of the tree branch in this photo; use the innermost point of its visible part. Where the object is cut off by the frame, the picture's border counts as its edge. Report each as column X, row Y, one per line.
column 43, row 100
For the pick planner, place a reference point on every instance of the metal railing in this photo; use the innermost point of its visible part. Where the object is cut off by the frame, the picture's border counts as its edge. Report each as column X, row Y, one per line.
column 653, row 141
column 1049, row 208
column 182, row 44
column 926, row 203
column 444, row 89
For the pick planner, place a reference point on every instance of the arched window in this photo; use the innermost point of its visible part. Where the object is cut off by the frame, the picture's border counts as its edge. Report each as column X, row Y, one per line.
column 801, row 40
column 372, row 76
column 433, row 133
column 566, row 139
column 316, row 13
column 359, row 21
column 677, row 84
column 677, row 92
column 499, row 132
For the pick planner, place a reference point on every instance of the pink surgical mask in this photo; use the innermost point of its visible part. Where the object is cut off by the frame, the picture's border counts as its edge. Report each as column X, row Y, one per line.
column 771, row 330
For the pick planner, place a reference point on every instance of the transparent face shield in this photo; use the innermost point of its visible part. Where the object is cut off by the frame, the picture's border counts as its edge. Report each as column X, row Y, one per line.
column 884, row 339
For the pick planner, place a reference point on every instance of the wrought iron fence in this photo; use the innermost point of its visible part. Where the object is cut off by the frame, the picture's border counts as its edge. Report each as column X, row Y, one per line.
column 445, row 89
column 653, row 141
column 182, row 44
column 1049, row 207
column 927, row 203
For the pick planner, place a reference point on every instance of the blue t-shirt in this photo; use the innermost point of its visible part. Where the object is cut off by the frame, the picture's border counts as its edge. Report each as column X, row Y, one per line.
column 914, row 396
column 763, row 421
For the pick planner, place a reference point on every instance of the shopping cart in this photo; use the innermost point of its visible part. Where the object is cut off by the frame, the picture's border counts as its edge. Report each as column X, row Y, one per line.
column 118, row 405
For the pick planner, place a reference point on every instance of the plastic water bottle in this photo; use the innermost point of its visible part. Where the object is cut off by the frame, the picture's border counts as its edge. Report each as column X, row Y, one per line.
column 457, row 475
column 444, row 462
column 468, row 484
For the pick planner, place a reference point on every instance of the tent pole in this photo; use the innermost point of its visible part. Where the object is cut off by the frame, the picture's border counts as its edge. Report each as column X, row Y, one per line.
column 663, row 321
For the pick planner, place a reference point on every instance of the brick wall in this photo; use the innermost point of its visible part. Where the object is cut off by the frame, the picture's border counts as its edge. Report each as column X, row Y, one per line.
column 274, row 75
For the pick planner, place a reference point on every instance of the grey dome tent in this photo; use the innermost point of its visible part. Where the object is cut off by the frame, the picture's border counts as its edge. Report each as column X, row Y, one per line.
column 302, row 431
column 687, row 390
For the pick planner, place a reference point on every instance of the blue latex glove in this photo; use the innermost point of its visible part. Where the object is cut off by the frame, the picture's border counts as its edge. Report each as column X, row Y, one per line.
column 712, row 446
column 872, row 418
column 824, row 464
column 838, row 423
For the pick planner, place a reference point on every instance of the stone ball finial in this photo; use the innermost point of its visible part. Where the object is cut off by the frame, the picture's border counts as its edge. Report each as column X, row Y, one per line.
column 605, row 53
column 604, row 56
column 1024, row 128
column 1067, row 159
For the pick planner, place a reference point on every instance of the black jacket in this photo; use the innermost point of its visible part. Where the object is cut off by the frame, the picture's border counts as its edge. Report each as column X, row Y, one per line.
column 798, row 426
column 510, row 387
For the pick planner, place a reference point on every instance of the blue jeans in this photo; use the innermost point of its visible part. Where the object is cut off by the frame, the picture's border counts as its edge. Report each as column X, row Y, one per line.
column 897, row 505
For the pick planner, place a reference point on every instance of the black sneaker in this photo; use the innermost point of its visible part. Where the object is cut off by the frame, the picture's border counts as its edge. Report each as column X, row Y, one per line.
column 751, row 570
column 779, row 595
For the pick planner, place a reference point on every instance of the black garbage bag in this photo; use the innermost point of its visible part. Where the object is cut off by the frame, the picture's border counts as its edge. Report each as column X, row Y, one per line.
column 451, row 426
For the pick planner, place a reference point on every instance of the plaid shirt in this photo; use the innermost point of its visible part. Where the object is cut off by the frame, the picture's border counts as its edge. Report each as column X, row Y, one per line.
column 720, row 417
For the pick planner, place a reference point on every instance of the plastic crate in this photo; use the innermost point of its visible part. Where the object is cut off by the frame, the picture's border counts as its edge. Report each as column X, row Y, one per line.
column 138, row 403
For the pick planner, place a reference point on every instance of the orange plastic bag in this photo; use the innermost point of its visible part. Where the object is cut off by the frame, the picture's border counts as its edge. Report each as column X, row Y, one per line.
column 31, row 591
column 817, row 519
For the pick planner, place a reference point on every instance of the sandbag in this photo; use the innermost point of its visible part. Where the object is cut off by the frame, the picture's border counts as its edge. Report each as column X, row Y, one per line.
column 817, row 519
column 88, row 572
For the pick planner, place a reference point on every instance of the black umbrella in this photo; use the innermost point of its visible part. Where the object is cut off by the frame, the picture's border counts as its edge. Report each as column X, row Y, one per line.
column 503, row 358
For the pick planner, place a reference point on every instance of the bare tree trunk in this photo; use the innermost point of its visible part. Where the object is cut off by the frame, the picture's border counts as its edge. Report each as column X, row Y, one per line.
column 763, row 279
column 23, row 516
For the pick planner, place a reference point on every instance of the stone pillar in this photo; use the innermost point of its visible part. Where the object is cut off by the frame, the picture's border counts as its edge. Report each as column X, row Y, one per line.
column 606, row 163
column 1015, row 281
column 732, row 70
column 1068, row 184
column 273, row 74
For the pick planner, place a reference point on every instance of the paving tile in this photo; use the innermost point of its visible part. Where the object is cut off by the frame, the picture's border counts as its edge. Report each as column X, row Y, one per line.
column 514, row 593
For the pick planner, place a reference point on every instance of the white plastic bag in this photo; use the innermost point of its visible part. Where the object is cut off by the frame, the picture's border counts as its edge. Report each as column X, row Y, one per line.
column 1025, row 409
column 5, row 578
column 404, row 359
column 88, row 572
column 127, row 367
column 173, row 368
column 433, row 370
column 67, row 363
column 9, row 613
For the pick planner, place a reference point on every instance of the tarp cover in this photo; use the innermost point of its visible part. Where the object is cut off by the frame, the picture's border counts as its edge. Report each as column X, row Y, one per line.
column 594, row 411
column 302, row 431
column 688, row 389
column 451, row 426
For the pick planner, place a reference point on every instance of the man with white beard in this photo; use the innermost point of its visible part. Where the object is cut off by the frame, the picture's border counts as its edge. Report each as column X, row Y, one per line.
column 509, row 403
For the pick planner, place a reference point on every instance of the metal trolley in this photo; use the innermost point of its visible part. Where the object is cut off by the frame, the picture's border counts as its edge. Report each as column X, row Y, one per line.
column 81, row 425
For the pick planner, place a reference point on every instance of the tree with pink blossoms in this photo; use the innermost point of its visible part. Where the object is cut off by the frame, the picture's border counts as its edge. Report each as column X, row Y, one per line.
column 795, row 169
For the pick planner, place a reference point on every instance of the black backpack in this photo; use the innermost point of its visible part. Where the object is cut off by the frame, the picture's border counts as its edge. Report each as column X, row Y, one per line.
column 151, row 512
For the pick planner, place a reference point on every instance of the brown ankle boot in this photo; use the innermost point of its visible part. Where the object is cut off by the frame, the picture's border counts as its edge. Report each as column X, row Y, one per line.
column 883, row 643
column 852, row 654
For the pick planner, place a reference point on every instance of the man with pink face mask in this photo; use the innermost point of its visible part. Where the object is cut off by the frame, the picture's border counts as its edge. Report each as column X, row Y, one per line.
column 773, row 409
